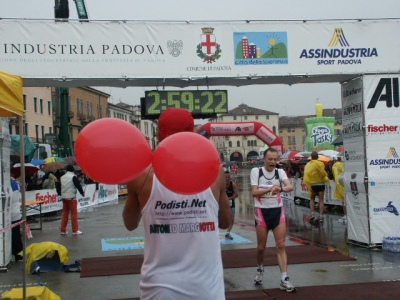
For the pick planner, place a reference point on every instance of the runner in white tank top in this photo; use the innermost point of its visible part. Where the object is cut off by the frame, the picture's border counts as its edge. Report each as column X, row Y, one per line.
column 182, row 256
column 191, row 222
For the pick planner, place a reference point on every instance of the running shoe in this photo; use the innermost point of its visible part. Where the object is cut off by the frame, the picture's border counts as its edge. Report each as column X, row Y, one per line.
column 228, row 236
column 321, row 219
column 259, row 276
column 312, row 218
column 77, row 232
column 287, row 286
column 64, row 232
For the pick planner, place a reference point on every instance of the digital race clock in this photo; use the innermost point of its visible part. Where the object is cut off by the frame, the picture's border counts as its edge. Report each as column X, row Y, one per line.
column 202, row 104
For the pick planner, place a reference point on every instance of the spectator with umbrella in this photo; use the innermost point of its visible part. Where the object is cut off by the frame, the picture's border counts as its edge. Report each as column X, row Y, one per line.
column 49, row 181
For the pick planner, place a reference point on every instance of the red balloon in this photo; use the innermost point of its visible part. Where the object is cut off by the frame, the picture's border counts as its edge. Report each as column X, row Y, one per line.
column 112, row 151
column 186, row 163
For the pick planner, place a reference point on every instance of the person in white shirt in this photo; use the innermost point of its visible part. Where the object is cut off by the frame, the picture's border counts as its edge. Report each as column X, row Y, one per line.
column 266, row 185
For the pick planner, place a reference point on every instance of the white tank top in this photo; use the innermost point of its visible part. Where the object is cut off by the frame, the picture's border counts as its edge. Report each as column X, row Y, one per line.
column 182, row 252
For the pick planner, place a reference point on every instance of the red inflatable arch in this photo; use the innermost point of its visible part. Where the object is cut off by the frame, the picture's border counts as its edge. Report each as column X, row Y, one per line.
column 243, row 128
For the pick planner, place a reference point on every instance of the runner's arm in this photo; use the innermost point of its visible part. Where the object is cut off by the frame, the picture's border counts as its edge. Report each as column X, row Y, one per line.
column 224, row 212
column 132, row 211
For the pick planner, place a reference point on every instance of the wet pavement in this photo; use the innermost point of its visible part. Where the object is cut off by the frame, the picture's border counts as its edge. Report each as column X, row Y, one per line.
column 105, row 222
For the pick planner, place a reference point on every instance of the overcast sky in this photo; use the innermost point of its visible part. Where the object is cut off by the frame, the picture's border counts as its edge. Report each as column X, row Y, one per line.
column 293, row 100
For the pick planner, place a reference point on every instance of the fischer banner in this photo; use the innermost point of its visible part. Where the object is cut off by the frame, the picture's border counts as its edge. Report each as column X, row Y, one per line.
column 371, row 132
column 382, row 132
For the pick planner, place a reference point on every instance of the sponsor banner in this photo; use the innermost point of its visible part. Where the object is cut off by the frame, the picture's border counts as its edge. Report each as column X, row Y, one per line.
column 384, row 213
column 107, row 193
column 382, row 135
column 354, row 155
column 358, row 223
column 143, row 50
column 320, row 133
column 300, row 189
column 90, row 196
column 290, row 195
column 267, row 136
column 232, row 129
column 5, row 185
column 52, row 202
column 352, row 102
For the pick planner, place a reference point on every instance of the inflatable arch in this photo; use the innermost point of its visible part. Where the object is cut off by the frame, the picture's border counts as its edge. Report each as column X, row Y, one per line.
column 243, row 128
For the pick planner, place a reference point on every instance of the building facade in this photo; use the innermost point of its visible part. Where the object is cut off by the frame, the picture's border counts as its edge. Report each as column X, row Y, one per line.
column 38, row 114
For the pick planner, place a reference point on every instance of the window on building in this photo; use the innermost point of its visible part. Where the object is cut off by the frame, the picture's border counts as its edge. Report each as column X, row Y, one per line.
column 35, row 104
column 99, row 111
column 91, row 109
column 78, row 107
column 43, row 133
column 267, row 117
column 41, row 106
column 245, row 117
column 274, row 129
column 49, row 107
column 82, row 107
column 69, row 103
column 87, row 108
column 37, row 132
column 293, row 140
column 10, row 128
column 234, row 118
column 238, row 144
column 255, row 143
column 248, row 143
column 26, row 129
column 256, row 117
column 289, row 140
column 230, row 144
column 50, row 129
column 146, row 129
column 24, row 99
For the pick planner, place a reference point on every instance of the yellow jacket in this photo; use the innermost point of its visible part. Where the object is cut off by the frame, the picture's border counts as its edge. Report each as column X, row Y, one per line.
column 314, row 172
column 337, row 169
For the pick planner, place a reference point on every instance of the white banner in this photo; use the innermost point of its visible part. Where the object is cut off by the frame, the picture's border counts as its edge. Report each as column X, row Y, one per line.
column 52, row 201
column 5, row 185
column 382, row 127
column 354, row 160
column 133, row 51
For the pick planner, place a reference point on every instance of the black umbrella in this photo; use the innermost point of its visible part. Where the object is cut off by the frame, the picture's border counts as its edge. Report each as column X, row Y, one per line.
column 338, row 141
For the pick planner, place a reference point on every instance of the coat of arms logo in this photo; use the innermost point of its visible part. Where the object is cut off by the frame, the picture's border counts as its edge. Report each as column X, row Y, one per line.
column 208, row 50
column 175, row 47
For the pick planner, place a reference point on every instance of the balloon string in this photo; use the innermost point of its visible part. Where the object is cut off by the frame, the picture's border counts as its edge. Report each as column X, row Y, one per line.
column 147, row 175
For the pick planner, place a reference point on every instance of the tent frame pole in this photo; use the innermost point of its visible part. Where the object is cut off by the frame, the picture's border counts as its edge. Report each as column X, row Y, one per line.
column 23, row 202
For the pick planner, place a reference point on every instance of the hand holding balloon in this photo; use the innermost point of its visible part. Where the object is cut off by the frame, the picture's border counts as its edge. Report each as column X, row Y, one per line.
column 186, row 163
column 112, row 151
